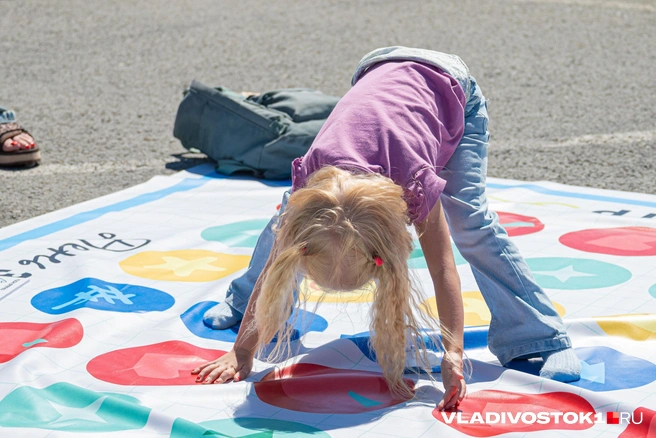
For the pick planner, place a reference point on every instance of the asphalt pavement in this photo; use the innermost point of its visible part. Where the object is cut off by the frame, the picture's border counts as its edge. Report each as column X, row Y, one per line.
column 570, row 83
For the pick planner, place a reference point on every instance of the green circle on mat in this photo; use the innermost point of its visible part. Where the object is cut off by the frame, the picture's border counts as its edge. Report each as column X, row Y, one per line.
column 243, row 234
column 576, row 274
column 652, row 291
column 72, row 409
column 417, row 260
column 244, row 427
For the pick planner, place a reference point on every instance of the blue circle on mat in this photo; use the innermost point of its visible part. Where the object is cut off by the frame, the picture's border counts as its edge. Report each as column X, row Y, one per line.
column 242, row 234
column 652, row 291
column 602, row 369
column 576, row 274
column 97, row 294
column 417, row 260
column 304, row 322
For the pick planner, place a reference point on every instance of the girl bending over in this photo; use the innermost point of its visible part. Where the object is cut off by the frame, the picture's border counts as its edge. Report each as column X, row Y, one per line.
column 407, row 144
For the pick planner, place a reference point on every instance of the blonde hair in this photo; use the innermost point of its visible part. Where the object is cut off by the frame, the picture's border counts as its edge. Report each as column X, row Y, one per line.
column 332, row 230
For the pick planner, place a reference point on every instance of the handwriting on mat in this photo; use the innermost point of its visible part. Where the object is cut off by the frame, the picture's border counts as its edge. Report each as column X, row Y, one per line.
column 109, row 242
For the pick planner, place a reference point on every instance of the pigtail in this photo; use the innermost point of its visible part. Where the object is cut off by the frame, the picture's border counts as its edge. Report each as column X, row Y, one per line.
column 276, row 301
column 388, row 324
column 396, row 330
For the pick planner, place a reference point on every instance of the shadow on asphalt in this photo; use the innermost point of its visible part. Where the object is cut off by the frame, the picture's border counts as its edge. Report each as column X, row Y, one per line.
column 187, row 160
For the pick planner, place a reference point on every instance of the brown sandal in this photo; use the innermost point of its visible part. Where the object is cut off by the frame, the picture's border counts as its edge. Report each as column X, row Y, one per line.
column 22, row 157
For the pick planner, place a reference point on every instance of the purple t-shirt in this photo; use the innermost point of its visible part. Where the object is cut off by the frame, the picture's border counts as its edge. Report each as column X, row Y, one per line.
column 402, row 120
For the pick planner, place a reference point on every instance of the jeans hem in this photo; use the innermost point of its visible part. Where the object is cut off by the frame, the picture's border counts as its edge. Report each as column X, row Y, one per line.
column 557, row 343
column 233, row 302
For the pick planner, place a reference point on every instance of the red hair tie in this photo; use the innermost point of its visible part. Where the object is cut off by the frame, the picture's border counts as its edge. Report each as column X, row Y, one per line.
column 378, row 261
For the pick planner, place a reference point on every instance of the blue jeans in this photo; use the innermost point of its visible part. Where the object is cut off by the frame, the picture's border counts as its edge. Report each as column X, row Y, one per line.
column 240, row 290
column 7, row 115
column 524, row 321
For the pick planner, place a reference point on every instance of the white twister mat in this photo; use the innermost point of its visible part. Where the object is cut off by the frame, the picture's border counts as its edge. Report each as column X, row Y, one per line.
column 101, row 306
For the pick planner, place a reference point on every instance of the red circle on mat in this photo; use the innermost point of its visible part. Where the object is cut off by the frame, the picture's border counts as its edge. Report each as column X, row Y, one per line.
column 20, row 336
column 518, row 225
column 166, row 363
column 307, row 387
column 642, row 424
column 518, row 410
column 623, row 241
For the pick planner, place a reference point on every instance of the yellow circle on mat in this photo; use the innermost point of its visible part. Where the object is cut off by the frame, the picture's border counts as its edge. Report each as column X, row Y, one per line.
column 189, row 265
column 639, row 327
column 476, row 311
column 313, row 293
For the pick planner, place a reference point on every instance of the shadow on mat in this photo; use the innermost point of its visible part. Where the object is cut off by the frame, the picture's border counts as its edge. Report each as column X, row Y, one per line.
column 199, row 164
column 334, row 382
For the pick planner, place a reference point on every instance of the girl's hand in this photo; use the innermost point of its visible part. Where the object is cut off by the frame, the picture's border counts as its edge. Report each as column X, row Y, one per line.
column 453, row 380
column 235, row 365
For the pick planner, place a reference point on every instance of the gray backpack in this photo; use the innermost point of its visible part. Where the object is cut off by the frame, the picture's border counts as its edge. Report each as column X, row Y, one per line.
column 259, row 135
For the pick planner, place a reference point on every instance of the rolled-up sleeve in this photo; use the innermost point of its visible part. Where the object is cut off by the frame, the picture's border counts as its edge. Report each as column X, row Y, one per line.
column 422, row 192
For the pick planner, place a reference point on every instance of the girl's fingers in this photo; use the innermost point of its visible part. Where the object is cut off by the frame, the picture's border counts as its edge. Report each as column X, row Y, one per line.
column 226, row 375
column 221, row 374
column 242, row 373
column 220, row 371
column 444, row 405
column 463, row 392
column 200, row 368
column 453, row 397
column 202, row 374
column 215, row 374
column 449, row 399
column 206, row 372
